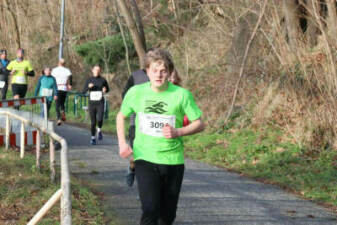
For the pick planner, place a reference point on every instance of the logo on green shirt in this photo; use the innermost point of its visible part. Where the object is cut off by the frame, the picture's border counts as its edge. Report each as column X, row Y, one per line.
column 155, row 107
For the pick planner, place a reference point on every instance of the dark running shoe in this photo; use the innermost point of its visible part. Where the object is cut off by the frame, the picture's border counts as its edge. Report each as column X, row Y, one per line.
column 130, row 177
column 63, row 117
column 100, row 136
column 93, row 141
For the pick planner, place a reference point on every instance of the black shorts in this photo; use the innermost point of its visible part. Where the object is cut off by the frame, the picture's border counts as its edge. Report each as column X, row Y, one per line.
column 19, row 89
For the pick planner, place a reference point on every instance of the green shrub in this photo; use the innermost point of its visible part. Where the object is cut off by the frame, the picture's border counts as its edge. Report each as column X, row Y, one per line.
column 106, row 52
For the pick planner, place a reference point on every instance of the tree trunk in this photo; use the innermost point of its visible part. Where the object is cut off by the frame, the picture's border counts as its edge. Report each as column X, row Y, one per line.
column 124, row 39
column 332, row 17
column 15, row 23
column 140, row 48
column 242, row 33
column 292, row 21
column 311, row 32
column 138, row 21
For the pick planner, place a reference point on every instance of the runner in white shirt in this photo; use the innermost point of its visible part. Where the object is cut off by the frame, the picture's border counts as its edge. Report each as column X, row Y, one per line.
column 63, row 78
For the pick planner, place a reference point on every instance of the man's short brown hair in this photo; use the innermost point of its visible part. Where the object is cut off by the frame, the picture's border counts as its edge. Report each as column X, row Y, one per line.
column 158, row 54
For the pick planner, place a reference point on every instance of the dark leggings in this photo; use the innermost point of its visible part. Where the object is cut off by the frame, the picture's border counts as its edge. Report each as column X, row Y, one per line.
column 61, row 98
column 159, row 188
column 4, row 90
column 96, row 111
column 20, row 90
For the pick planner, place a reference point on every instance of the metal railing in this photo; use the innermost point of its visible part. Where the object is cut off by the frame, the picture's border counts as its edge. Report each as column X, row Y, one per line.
column 64, row 193
column 81, row 101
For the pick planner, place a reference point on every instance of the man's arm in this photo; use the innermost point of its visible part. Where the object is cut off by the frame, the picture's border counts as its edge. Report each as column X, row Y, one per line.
column 106, row 85
column 193, row 128
column 128, row 85
column 55, row 87
column 124, row 149
column 37, row 89
column 86, row 87
column 70, row 80
column 31, row 73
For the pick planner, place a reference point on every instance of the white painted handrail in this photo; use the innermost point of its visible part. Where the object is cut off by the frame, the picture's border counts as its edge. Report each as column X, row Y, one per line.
column 65, row 192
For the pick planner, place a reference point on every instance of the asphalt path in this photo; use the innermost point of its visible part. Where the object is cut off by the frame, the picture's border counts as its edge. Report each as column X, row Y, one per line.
column 209, row 196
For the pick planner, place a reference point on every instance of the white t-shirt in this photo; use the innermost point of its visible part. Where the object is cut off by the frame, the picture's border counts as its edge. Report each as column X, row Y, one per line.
column 61, row 75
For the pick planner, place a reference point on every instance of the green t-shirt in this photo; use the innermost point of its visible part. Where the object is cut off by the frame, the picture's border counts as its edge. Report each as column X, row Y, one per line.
column 154, row 110
column 19, row 77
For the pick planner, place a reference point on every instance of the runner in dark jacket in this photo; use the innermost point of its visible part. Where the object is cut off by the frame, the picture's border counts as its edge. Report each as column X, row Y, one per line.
column 3, row 73
column 97, row 87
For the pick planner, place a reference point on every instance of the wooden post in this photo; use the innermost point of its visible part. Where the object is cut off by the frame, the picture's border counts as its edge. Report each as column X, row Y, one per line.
column 38, row 148
column 8, row 131
column 65, row 185
column 22, row 140
column 43, row 211
column 52, row 159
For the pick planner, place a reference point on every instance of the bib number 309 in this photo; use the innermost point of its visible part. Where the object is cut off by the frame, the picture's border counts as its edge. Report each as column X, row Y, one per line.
column 152, row 124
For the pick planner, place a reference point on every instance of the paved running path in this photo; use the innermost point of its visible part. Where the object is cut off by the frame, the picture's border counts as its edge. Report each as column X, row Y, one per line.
column 210, row 196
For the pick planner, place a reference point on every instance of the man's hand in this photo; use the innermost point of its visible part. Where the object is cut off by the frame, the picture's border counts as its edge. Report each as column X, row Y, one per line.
column 124, row 150
column 69, row 87
column 24, row 72
column 104, row 89
column 170, row 132
column 91, row 85
column 55, row 97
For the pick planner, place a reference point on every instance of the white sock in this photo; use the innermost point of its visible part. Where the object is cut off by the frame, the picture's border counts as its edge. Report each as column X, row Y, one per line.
column 93, row 137
column 98, row 129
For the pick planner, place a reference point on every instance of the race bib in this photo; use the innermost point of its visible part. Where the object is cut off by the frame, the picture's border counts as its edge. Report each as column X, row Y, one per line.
column 152, row 124
column 47, row 92
column 20, row 79
column 96, row 95
column 2, row 84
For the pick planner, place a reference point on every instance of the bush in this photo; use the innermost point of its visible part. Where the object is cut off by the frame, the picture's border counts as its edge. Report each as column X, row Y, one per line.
column 106, row 52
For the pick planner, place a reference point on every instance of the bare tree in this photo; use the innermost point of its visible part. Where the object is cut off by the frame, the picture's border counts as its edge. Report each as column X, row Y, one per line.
column 332, row 17
column 15, row 23
column 292, row 21
column 138, row 20
column 140, row 48
column 124, row 39
column 311, row 32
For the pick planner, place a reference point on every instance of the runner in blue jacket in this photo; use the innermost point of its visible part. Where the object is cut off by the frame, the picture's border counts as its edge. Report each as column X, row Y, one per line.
column 47, row 87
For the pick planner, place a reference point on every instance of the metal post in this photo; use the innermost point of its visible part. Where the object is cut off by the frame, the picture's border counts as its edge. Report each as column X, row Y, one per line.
column 52, row 159
column 62, row 29
column 106, row 109
column 45, row 209
column 81, row 99
column 45, row 113
column 38, row 149
column 65, row 185
column 75, row 105
column 22, row 140
column 8, row 131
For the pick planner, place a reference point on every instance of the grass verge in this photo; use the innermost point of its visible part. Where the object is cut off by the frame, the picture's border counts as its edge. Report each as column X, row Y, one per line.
column 24, row 190
column 261, row 155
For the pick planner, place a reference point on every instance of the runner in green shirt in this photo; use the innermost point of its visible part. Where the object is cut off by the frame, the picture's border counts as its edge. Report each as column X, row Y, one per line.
column 20, row 69
column 160, row 107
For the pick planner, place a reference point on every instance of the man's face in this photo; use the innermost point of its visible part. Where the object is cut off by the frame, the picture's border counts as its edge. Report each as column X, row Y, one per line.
column 19, row 54
column 3, row 56
column 47, row 71
column 96, row 71
column 158, row 74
